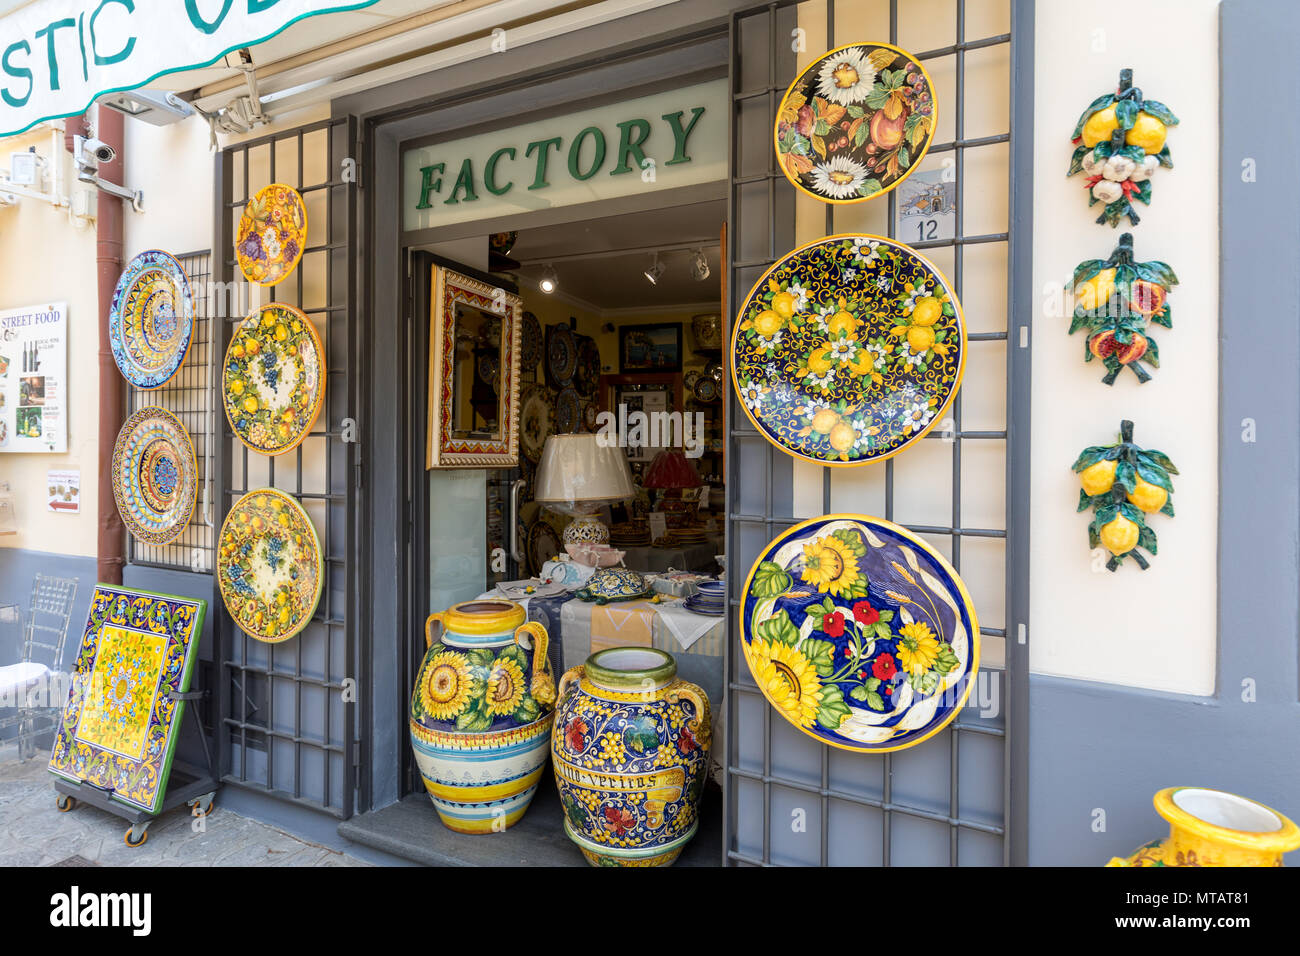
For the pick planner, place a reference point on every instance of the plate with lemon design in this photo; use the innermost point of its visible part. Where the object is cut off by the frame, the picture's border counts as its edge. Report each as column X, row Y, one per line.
column 269, row 566
column 273, row 380
column 859, row 633
column 848, row 350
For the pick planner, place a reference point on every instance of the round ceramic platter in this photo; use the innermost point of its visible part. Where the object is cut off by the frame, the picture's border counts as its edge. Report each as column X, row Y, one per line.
column 859, row 633
column 271, row 235
column 535, row 421
column 273, row 380
column 848, row 350
column 706, row 390
column 586, row 373
column 155, row 475
column 543, row 543
column 269, row 565
column 568, row 411
column 530, row 342
column 151, row 321
column 855, row 123
column 561, row 355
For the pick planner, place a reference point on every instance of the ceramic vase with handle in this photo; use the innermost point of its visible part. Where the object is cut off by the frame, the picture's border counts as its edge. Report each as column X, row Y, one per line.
column 1214, row 828
column 631, row 754
column 481, row 714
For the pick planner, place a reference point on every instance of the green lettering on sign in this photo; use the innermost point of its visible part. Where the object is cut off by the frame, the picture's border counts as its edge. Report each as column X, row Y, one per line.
column 192, row 8
column 542, row 147
column 257, row 6
column 49, row 31
column 575, row 153
column 490, row 172
column 430, row 185
column 19, row 72
column 464, row 182
column 680, row 135
column 628, row 146
column 122, row 54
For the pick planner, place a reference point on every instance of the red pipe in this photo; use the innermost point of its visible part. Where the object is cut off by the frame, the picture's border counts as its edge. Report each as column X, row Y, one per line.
column 111, row 549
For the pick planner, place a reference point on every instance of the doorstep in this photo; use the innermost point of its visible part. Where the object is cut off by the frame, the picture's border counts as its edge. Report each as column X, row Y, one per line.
column 411, row 829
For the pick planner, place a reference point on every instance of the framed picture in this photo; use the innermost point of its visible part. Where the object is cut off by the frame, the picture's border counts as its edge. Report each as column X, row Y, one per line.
column 650, row 348
column 473, row 408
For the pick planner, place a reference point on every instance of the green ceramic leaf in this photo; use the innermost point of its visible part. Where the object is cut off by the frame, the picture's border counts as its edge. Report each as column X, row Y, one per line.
column 1088, row 268
column 859, row 693
column 1090, row 456
column 821, row 654
column 1126, row 112
column 777, row 629
column 1076, row 161
column 1164, row 158
column 1147, row 539
column 770, row 580
column 875, row 701
column 833, row 709
column 851, row 540
column 1161, row 459
column 1154, row 474
column 481, row 657
column 528, row 710
column 641, row 734
column 1160, row 112
column 1164, row 317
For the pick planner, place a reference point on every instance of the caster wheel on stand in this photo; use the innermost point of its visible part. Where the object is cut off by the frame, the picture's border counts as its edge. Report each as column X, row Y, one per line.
column 133, row 839
column 64, row 802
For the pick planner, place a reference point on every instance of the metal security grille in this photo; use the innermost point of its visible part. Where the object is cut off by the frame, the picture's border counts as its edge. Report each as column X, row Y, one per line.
column 288, row 721
column 958, row 798
column 190, row 397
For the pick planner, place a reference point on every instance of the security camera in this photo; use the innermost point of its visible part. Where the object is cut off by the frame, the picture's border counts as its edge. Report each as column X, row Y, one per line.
column 92, row 152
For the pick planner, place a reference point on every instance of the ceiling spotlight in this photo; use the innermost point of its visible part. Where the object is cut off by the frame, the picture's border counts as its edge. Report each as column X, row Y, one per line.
column 655, row 271
column 549, row 281
column 700, row 266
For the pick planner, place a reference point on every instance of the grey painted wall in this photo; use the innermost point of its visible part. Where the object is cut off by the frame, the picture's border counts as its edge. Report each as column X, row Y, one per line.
column 18, row 566
column 1100, row 747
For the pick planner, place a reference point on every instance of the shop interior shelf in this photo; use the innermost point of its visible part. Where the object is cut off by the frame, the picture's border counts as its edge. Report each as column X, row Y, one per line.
column 411, row 829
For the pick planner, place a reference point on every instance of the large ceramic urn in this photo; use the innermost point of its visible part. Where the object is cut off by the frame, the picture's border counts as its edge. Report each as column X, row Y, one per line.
column 481, row 714
column 631, row 755
column 1215, row 828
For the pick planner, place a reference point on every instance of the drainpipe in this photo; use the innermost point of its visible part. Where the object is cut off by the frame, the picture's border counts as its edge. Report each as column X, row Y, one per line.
column 111, row 550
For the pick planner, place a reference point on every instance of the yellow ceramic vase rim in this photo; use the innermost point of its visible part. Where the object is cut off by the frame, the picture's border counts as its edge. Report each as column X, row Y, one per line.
column 1281, row 840
column 457, row 620
column 939, row 412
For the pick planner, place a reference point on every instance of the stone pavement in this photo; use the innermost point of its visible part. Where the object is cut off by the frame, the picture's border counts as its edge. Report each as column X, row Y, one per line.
column 34, row 833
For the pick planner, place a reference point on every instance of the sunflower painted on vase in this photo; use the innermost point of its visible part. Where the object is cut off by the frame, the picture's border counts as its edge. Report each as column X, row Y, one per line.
column 481, row 714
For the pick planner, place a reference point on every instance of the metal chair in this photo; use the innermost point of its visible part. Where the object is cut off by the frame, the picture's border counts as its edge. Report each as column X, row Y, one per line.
column 30, row 689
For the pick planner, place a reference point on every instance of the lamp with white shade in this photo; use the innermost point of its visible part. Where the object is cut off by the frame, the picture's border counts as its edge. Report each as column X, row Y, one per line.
column 578, row 474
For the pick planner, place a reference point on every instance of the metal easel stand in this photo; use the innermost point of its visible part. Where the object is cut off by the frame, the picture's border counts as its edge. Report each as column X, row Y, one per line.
column 187, row 784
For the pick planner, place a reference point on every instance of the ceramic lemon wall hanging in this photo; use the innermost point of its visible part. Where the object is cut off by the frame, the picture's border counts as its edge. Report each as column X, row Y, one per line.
column 1120, row 143
column 855, row 123
column 1115, row 299
column 1122, row 484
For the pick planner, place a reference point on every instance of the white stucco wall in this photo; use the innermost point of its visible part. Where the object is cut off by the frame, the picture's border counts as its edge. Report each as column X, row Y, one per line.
column 1153, row 629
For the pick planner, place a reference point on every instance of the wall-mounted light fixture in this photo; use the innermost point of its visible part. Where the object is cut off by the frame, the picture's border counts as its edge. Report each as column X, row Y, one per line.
column 549, row 281
column 656, row 270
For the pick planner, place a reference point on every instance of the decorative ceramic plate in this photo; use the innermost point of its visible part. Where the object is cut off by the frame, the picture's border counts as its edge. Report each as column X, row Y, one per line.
column 119, row 726
column 269, row 565
column 614, row 584
column 151, row 321
column 536, row 421
column 568, row 411
column 561, row 355
column 715, row 371
column 859, row 633
column 706, row 390
column 530, row 342
column 273, row 380
column 848, row 350
column 590, row 415
column 586, row 374
column 155, row 475
column 271, row 235
column 542, row 545
column 855, row 123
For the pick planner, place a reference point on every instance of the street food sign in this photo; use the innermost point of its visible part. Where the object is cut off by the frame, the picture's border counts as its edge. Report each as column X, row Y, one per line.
column 58, row 56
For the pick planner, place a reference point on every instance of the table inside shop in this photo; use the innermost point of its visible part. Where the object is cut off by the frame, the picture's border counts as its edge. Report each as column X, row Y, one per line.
column 577, row 628
column 695, row 557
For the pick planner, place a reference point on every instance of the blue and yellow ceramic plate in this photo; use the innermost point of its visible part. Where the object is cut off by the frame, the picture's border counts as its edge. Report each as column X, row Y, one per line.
column 155, row 475
column 859, row 633
column 848, row 350
column 151, row 321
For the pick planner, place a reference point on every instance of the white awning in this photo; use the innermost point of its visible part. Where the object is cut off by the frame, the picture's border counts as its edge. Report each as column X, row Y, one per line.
column 58, row 56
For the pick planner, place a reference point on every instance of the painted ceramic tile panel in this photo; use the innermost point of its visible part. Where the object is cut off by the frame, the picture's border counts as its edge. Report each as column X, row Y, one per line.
column 118, row 728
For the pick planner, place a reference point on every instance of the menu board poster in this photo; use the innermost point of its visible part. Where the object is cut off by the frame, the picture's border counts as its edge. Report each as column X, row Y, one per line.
column 33, row 379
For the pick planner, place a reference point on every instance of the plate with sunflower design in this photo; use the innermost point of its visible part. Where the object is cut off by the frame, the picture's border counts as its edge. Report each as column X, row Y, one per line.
column 859, row 633
column 271, row 235
column 269, row 566
column 848, row 350
column 155, row 475
column 855, row 123
column 273, row 380
column 151, row 320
